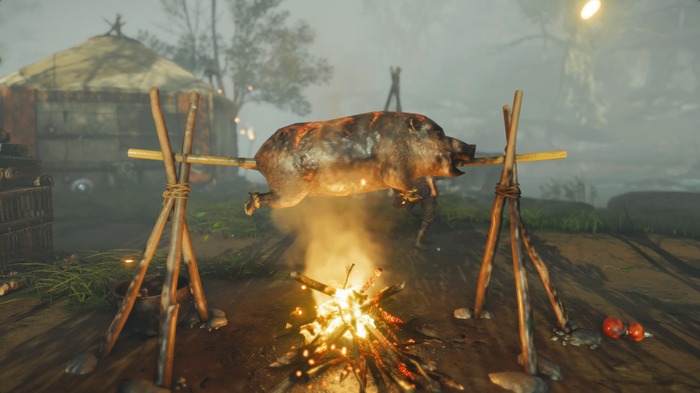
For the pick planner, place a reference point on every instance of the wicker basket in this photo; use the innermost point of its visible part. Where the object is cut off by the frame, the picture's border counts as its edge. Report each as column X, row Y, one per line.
column 26, row 215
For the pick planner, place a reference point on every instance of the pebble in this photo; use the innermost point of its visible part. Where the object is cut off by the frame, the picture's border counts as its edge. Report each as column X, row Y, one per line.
column 466, row 313
column 82, row 364
column 579, row 337
column 217, row 319
column 519, row 382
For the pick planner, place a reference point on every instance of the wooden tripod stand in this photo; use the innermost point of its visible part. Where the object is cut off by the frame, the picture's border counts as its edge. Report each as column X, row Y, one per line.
column 174, row 207
column 508, row 188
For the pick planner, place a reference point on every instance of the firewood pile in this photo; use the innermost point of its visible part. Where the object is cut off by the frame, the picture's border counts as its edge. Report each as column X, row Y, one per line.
column 353, row 334
column 26, row 210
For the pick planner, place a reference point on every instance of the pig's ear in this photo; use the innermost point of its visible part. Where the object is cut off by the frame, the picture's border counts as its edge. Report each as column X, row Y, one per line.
column 411, row 126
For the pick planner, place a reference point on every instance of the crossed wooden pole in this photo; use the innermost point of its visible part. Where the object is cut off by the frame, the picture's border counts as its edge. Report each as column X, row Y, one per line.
column 174, row 207
column 508, row 188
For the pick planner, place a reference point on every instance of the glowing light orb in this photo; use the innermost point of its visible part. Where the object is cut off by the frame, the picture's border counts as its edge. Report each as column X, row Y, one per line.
column 589, row 9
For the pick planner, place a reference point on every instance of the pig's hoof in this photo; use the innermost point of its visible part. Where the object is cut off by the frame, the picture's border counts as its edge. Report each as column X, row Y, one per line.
column 410, row 196
column 252, row 203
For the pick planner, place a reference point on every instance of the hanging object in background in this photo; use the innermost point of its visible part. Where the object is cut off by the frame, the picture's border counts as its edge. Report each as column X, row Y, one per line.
column 615, row 328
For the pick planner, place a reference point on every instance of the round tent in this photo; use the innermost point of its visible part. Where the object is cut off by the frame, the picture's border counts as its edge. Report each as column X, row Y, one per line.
column 79, row 111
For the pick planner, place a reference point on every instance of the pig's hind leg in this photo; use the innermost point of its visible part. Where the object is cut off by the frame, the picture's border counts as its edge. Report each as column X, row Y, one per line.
column 272, row 199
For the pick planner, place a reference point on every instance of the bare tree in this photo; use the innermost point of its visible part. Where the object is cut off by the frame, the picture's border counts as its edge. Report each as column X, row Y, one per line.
column 267, row 58
column 623, row 29
column 186, row 23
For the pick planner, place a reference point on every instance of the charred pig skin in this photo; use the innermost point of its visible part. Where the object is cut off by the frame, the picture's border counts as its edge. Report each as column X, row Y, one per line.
column 352, row 155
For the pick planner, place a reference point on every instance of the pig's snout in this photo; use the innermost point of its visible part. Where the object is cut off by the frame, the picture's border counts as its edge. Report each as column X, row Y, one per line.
column 462, row 152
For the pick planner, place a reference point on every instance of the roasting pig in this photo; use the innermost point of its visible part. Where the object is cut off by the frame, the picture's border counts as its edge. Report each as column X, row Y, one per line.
column 352, row 155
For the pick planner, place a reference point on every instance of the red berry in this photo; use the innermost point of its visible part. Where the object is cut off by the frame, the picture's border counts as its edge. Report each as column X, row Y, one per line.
column 613, row 327
column 635, row 331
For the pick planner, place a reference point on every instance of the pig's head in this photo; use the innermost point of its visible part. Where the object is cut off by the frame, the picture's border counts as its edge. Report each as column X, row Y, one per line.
column 436, row 154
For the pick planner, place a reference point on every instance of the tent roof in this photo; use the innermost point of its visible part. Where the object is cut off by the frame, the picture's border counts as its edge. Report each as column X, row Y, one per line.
column 106, row 63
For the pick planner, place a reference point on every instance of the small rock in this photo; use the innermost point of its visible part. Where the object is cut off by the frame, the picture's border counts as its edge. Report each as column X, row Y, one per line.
column 463, row 313
column 589, row 337
column 82, row 364
column 217, row 319
column 466, row 313
column 519, row 382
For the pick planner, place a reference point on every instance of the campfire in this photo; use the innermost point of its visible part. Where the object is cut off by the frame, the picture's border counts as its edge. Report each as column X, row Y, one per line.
column 353, row 334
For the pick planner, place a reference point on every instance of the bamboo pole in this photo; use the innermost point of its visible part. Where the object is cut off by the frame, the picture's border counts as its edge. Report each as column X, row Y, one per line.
column 193, row 272
column 168, row 327
column 127, row 304
column 176, row 190
column 249, row 163
column 525, row 323
column 559, row 310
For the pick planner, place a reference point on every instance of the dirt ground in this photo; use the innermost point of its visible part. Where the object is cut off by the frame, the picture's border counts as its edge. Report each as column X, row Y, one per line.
column 654, row 280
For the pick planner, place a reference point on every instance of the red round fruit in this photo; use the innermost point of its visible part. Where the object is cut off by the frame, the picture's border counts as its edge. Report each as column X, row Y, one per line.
column 613, row 327
column 635, row 331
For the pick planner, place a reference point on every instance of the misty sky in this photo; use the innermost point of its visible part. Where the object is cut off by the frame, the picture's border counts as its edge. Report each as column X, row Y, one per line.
column 461, row 61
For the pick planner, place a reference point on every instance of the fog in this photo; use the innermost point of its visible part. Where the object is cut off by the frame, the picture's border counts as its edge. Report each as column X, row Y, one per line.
column 461, row 61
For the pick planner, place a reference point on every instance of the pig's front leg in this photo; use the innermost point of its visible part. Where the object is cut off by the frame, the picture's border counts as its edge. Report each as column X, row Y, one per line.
column 410, row 195
column 272, row 199
column 400, row 181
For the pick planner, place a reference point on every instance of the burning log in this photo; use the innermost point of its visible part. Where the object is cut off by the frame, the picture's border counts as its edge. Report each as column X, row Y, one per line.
column 354, row 334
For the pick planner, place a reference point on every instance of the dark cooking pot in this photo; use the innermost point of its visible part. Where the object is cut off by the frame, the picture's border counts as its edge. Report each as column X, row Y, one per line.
column 145, row 315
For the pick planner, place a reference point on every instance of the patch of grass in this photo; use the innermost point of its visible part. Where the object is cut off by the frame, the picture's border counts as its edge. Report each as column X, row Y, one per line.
column 457, row 212
column 86, row 283
column 233, row 267
column 210, row 216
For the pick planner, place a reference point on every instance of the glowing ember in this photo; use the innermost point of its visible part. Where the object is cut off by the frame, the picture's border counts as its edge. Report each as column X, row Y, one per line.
column 128, row 261
column 353, row 334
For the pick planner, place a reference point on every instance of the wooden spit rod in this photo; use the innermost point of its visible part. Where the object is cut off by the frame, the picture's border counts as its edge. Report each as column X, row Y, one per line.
column 249, row 163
